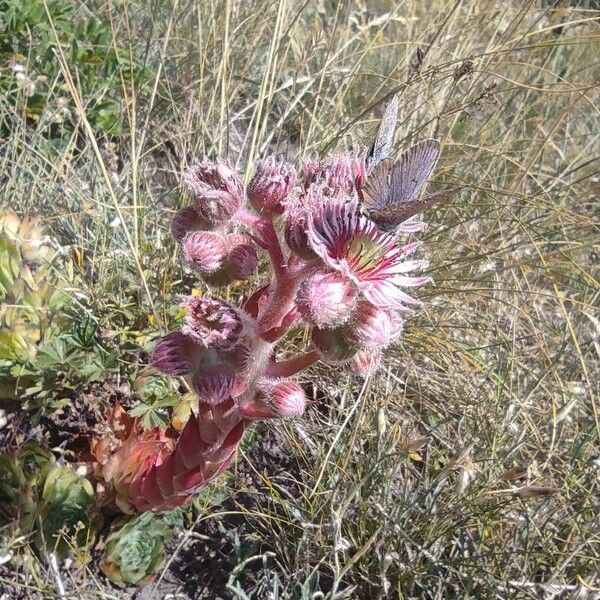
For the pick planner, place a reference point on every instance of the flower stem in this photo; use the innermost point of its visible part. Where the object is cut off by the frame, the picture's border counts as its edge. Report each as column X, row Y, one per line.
column 291, row 366
column 267, row 237
column 280, row 303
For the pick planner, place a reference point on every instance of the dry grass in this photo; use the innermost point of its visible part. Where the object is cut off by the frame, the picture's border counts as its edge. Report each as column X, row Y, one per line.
column 469, row 467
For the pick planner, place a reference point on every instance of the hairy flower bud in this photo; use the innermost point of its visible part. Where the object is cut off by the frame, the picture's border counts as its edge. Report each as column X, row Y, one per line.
column 337, row 345
column 281, row 398
column 366, row 362
column 338, row 175
column 212, row 322
column 376, row 327
column 242, row 260
column 186, row 220
column 216, row 189
column 176, row 354
column 271, row 184
column 326, row 299
column 297, row 216
column 214, row 383
column 205, row 251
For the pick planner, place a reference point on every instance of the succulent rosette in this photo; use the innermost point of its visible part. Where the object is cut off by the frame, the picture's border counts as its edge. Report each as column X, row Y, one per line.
column 50, row 501
column 158, row 470
column 68, row 512
column 135, row 549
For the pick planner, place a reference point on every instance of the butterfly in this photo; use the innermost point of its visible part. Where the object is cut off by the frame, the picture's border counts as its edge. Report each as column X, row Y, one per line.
column 390, row 194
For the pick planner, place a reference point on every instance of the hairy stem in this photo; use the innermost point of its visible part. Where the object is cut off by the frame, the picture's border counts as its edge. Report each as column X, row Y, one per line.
column 280, row 304
column 266, row 237
column 291, row 366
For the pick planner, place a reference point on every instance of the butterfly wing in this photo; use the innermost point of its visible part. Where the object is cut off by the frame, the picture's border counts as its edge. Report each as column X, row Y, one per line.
column 384, row 140
column 411, row 172
column 376, row 191
column 389, row 218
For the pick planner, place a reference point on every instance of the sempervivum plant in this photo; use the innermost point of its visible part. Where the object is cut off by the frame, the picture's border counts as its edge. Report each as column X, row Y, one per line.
column 49, row 500
column 135, row 548
column 337, row 266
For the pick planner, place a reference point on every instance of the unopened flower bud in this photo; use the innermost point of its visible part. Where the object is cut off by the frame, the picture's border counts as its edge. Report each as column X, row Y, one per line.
column 186, row 220
column 212, row 322
column 366, row 362
column 271, row 184
column 285, row 397
column 275, row 399
column 176, row 354
column 214, row 383
column 239, row 358
column 339, row 174
column 216, row 189
column 242, row 260
column 295, row 228
column 326, row 299
column 337, row 345
column 376, row 327
column 205, row 251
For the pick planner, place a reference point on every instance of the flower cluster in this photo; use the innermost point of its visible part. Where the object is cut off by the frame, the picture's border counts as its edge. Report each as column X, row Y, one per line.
column 331, row 270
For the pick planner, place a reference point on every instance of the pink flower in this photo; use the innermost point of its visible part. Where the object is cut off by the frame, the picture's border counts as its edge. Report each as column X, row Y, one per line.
column 212, row 322
column 298, row 210
column 216, row 189
column 353, row 246
column 326, row 299
column 271, row 184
